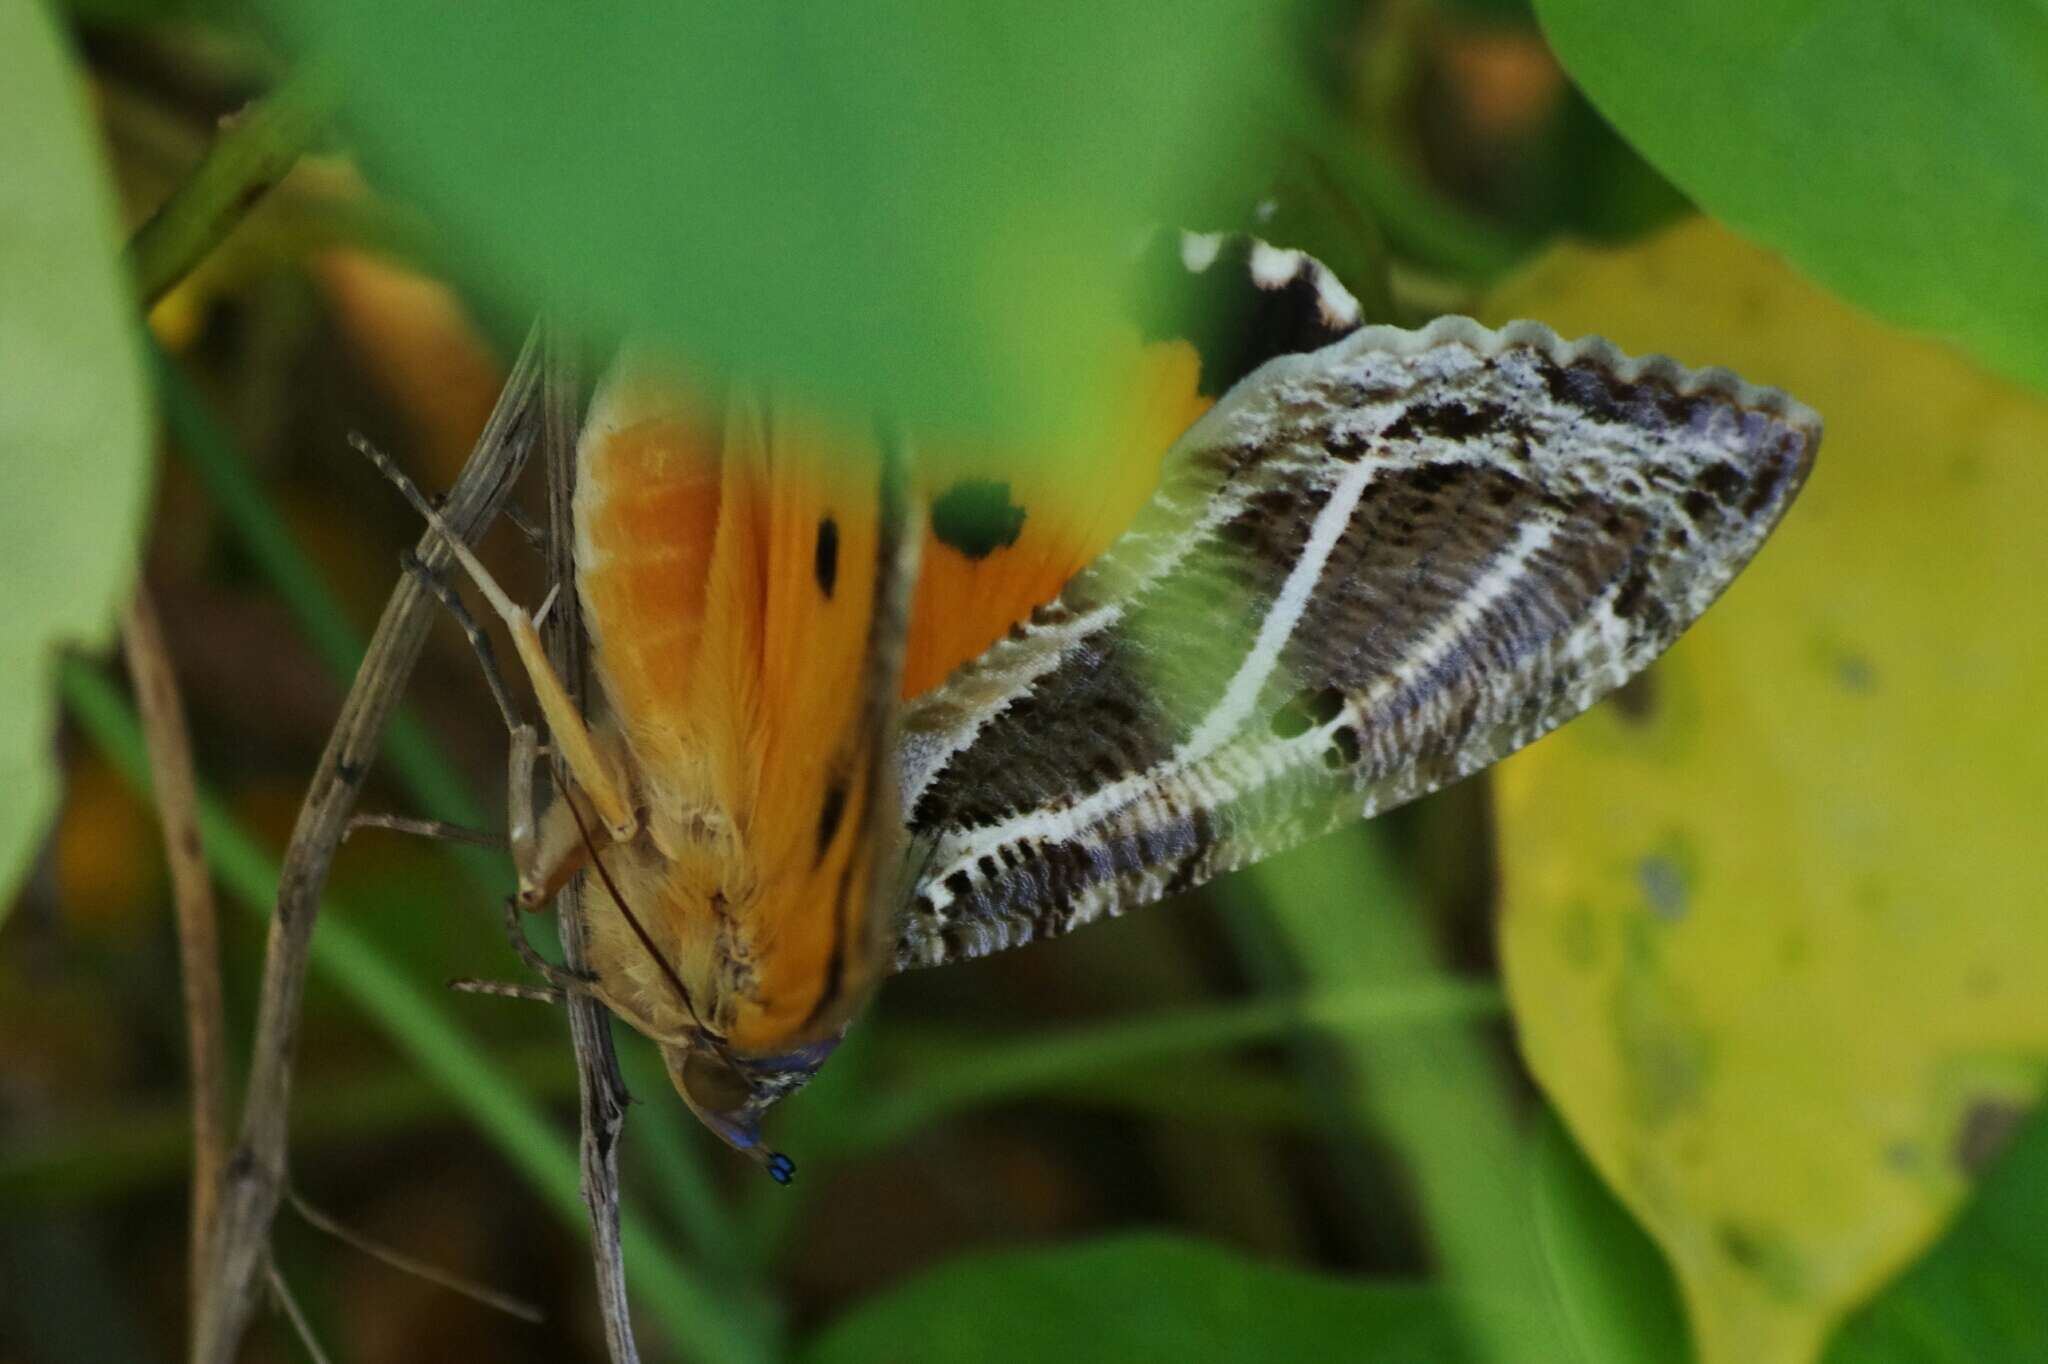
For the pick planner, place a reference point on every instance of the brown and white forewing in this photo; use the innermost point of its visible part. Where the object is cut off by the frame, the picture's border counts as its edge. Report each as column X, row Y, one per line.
column 1369, row 571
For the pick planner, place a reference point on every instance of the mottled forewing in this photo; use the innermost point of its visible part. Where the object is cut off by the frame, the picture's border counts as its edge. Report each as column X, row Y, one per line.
column 1368, row 572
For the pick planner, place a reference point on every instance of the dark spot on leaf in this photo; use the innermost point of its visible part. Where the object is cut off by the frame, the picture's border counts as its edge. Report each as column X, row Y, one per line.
column 1764, row 1253
column 1856, row 673
column 1636, row 699
column 1988, row 1128
column 1664, row 886
column 825, row 562
column 976, row 517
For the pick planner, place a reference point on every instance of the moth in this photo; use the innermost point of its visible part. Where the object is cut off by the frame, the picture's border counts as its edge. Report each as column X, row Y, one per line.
column 862, row 712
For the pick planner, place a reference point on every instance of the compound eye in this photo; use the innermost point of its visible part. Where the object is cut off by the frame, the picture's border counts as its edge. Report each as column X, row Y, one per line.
column 713, row 1085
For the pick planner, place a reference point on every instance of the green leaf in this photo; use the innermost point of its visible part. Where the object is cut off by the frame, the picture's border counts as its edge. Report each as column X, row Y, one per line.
column 1771, row 926
column 1612, row 1285
column 1140, row 1297
column 1978, row 1295
column 1895, row 150
column 74, row 435
column 913, row 206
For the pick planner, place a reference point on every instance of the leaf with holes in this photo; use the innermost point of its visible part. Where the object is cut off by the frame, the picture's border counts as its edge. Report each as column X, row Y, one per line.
column 1771, row 922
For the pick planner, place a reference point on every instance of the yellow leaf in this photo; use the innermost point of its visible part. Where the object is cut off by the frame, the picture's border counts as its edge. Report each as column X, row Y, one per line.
column 1775, row 925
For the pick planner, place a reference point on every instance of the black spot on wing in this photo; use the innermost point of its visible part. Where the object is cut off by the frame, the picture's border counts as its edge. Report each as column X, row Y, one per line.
column 1449, row 421
column 1305, row 710
column 825, row 560
column 976, row 517
column 1234, row 323
column 829, row 815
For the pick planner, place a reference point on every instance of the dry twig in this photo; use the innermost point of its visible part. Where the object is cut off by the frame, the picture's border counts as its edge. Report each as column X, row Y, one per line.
column 599, row 1085
column 289, row 1305
column 418, row 1268
column 238, row 1256
column 177, row 803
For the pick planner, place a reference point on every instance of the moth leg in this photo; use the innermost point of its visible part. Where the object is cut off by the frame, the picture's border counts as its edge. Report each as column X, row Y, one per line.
column 545, row 854
column 505, row 989
column 439, row 830
column 547, row 851
column 536, row 539
column 571, row 736
column 568, row 982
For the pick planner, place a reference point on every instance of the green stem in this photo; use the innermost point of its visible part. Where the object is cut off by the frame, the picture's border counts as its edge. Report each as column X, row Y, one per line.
column 1437, row 1095
column 253, row 152
column 950, row 1075
column 697, row 1318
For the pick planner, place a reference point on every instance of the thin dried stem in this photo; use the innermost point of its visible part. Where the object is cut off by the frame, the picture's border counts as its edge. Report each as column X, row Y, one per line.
column 599, row 1085
column 289, row 1305
column 177, row 801
column 255, row 1174
column 254, row 151
column 419, row 1269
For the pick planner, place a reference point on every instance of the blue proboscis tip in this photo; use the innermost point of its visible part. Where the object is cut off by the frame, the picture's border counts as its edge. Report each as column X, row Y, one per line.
column 781, row 1168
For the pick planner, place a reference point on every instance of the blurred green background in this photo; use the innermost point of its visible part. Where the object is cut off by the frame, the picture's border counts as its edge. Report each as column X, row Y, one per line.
column 1712, row 1027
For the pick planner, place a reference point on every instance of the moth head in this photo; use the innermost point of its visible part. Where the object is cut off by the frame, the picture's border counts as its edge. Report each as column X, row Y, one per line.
column 731, row 1093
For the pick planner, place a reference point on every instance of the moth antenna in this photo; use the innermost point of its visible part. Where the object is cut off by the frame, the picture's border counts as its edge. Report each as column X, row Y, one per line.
column 633, row 920
column 479, row 642
column 481, row 576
